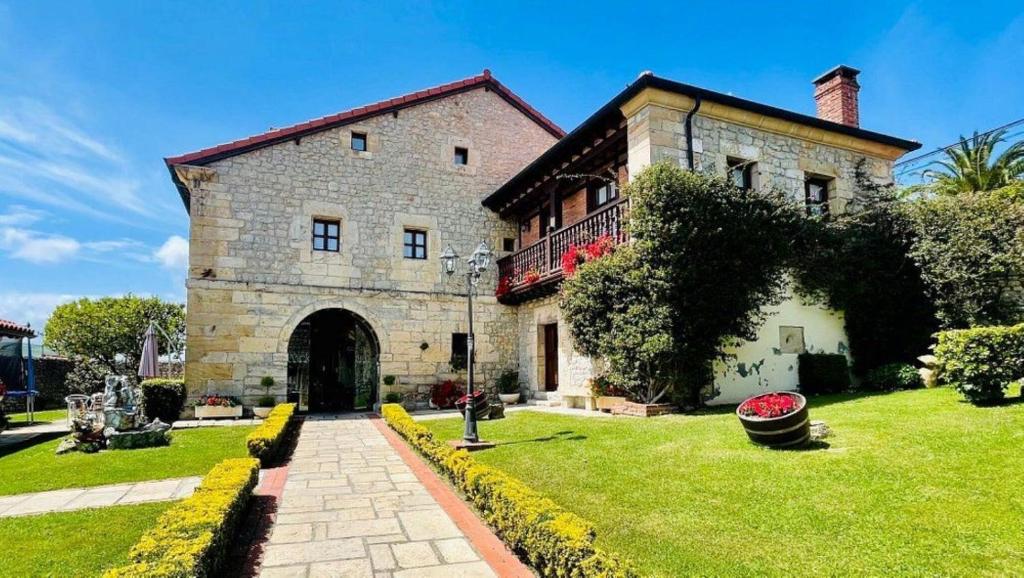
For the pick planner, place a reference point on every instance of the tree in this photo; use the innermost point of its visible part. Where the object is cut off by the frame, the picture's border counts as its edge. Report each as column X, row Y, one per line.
column 859, row 262
column 970, row 249
column 706, row 258
column 109, row 330
column 970, row 167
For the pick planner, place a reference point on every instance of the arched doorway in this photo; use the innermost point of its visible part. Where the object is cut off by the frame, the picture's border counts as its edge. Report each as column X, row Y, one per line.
column 333, row 357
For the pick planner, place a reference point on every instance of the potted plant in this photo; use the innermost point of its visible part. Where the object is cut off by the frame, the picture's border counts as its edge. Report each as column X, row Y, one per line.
column 508, row 387
column 217, row 406
column 777, row 419
column 393, row 397
column 266, row 402
column 608, row 396
column 444, row 395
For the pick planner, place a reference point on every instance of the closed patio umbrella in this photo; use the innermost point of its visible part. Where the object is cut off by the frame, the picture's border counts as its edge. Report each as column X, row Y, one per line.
column 150, row 365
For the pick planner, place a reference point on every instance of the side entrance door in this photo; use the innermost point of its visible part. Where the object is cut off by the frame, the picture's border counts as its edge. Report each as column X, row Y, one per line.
column 551, row 357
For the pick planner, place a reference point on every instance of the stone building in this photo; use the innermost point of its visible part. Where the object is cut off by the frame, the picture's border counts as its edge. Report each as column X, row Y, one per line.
column 314, row 249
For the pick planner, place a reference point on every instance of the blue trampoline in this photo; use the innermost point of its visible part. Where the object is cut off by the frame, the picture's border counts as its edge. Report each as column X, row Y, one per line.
column 16, row 371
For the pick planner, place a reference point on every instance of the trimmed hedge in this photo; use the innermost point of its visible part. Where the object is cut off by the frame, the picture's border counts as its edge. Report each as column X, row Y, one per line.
column 981, row 362
column 265, row 441
column 191, row 538
column 163, row 398
column 556, row 542
column 893, row 377
column 823, row 373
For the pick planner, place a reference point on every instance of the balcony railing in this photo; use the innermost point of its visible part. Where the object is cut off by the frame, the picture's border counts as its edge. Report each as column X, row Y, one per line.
column 540, row 263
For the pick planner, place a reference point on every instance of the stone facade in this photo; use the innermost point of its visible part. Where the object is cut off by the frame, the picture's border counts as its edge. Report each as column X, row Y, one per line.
column 253, row 276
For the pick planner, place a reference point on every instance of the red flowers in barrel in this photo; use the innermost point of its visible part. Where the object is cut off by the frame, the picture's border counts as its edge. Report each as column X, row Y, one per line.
column 777, row 419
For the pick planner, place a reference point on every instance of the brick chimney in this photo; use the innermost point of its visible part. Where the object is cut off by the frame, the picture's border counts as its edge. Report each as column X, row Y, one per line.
column 835, row 93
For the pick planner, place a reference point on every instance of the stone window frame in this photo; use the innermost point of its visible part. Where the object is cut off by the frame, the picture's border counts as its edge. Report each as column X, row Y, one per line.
column 474, row 156
column 828, row 185
column 357, row 136
column 460, row 156
column 372, row 141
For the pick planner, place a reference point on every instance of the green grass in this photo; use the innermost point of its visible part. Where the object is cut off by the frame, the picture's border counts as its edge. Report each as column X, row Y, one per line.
column 73, row 544
column 192, row 453
column 914, row 483
column 43, row 416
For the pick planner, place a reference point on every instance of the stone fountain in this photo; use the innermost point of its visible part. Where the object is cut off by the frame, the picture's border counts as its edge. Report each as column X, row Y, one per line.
column 113, row 420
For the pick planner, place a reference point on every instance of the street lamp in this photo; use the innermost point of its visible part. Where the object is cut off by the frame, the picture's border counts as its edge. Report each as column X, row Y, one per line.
column 477, row 265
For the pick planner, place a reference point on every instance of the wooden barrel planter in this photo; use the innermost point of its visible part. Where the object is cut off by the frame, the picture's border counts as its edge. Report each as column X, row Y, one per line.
column 483, row 407
column 790, row 430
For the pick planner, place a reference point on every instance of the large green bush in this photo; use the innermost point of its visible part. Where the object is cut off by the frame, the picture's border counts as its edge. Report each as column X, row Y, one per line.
column 823, row 373
column 970, row 249
column 163, row 398
column 981, row 362
column 859, row 262
column 706, row 258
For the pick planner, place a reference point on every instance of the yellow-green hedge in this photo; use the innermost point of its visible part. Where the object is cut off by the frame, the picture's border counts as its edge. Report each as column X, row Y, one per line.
column 556, row 542
column 190, row 538
column 265, row 441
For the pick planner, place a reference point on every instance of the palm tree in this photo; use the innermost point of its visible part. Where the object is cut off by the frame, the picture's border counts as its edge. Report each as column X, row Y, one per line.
column 969, row 166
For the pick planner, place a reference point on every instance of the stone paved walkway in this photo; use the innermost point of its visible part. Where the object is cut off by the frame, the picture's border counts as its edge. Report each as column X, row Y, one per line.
column 352, row 507
column 16, row 435
column 97, row 497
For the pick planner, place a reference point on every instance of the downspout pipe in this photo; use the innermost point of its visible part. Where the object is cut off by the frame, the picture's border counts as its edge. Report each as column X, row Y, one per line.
column 689, row 131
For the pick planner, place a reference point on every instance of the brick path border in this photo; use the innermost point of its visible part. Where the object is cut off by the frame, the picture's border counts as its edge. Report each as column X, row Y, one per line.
column 497, row 555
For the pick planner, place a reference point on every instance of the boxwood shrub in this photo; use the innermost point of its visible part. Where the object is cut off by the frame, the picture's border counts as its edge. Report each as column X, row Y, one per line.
column 191, row 537
column 265, row 442
column 555, row 542
column 981, row 362
column 163, row 398
column 893, row 376
column 823, row 373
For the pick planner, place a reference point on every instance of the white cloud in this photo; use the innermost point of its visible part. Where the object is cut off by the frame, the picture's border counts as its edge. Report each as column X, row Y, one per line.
column 34, row 308
column 20, row 215
column 37, row 248
column 173, row 254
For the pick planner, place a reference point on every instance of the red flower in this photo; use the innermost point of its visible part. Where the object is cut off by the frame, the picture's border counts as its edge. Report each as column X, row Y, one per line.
column 570, row 259
column 531, row 276
column 769, row 405
column 504, row 285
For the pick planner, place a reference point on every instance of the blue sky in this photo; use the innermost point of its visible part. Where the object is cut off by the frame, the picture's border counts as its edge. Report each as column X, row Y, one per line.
column 94, row 94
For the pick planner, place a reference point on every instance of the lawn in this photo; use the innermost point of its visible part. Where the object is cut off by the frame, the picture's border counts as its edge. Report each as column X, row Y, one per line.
column 192, row 453
column 913, row 483
column 43, row 416
column 73, row 544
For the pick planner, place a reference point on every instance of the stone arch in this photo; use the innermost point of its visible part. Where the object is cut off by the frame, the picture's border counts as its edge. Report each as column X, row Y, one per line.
column 333, row 358
column 305, row 311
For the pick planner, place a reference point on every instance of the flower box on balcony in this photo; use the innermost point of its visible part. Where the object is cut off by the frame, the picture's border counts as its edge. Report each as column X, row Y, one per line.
column 218, row 411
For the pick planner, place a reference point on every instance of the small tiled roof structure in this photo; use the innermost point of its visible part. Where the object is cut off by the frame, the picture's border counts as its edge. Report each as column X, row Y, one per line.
column 12, row 329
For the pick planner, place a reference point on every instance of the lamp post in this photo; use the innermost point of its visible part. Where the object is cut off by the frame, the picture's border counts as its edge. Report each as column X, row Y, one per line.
column 477, row 265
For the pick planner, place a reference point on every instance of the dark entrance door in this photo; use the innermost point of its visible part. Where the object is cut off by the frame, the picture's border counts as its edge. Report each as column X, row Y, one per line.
column 551, row 357
column 333, row 362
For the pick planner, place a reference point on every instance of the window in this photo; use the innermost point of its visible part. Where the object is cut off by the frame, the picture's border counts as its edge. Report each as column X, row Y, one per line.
column 359, row 141
column 543, row 221
column 741, row 173
column 460, row 351
column 791, row 339
column 326, row 235
column 816, row 196
column 415, row 244
column 600, row 194
column 508, row 244
column 461, row 156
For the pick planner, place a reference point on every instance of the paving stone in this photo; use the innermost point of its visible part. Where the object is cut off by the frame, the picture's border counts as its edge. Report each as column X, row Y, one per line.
column 307, row 552
column 351, row 528
column 455, row 550
column 342, row 569
column 285, row 572
column 292, row 533
column 468, row 570
column 414, row 554
column 430, row 524
column 380, row 555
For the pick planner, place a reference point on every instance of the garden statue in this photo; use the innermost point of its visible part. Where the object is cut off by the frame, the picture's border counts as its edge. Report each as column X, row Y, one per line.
column 120, row 406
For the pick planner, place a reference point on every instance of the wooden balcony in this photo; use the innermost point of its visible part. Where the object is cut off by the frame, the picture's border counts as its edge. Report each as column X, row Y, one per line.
column 536, row 270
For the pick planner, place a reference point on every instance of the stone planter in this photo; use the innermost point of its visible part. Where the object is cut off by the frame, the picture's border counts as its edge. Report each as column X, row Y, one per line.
column 509, row 398
column 218, row 411
column 609, row 402
column 642, row 409
column 261, row 412
column 790, row 430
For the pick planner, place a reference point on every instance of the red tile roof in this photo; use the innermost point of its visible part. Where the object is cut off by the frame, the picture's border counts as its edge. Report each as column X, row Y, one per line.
column 350, row 116
column 13, row 329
